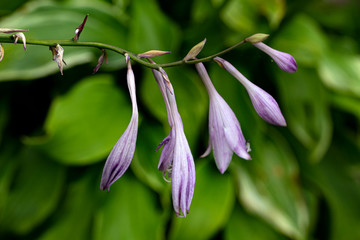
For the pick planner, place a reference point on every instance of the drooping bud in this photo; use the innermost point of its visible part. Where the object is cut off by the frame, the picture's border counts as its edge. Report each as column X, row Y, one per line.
column 79, row 29
column 11, row 30
column 152, row 53
column 1, row 52
column 22, row 37
column 101, row 60
column 285, row 61
column 194, row 51
column 258, row 37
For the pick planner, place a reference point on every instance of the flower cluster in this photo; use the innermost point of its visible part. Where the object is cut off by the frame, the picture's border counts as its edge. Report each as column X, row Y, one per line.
column 225, row 135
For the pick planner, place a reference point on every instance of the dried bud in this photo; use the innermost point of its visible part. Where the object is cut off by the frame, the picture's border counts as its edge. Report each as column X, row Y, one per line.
column 1, row 52
column 58, row 53
column 22, row 37
column 101, row 60
column 195, row 50
column 11, row 30
column 258, row 37
column 79, row 29
column 152, row 53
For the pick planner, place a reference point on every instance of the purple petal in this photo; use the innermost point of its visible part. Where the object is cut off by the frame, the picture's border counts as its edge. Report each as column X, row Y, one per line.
column 121, row 155
column 264, row 104
column 285, row 61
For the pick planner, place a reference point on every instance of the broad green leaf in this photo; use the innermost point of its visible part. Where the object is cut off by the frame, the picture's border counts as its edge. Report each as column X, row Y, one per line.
column 337, row 180
column 211, row 207
column 46, row 20
column 130, row 211
column 341, row 72
column 268, row 187
column 75, row 215
column 303, row 39
column 246, row 227
column 273, row 10
column 34, row 194
column 150, row 29
column 84, row 124
column 306, row 110
column 240, row 15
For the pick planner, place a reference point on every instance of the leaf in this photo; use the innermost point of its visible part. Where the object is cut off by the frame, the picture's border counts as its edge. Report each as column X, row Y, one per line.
column 337, row 180
column 341, row 72
column 35, row 192
column 46, row 20
column 129, row 212
column 268, row 187
column 151, row 29
column 211, row 206
column 303, row 39
column 75, row 215
column 307, row 111
column 85, row 124
column 194, row 51
column 246, row 227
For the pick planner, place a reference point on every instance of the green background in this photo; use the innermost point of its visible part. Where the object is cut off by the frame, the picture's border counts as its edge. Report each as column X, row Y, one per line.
column 56, row 131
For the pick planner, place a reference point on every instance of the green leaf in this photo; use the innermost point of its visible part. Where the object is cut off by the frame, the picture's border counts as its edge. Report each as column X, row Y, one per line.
column 46, row 20
column 303, row 39
column 211, row 206
column 84, row 124
column 306, row 110
column 34, row 194
column 337, row 180
column 150, row 29
column 268, row 187
column 341, row 72
column 129, row 212
column 246, row 227
column 75, row 215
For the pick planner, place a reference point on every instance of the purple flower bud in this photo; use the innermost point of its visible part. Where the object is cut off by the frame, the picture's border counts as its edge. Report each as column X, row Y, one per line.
column 121, row 155
column 224, row 129
column 176, row 158
column 264, row 104
column 285, row 61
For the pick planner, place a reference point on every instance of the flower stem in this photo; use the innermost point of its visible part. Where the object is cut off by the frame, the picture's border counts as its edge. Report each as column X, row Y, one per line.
column 133, row 56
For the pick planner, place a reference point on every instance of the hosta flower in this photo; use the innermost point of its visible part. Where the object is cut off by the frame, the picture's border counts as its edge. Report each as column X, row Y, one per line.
column 224, row 129
column 264, row 104
column 121, row 155
column 284, row 60
column 176, row 158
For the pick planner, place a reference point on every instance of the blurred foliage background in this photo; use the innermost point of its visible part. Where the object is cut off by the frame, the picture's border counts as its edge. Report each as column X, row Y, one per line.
column 56, row 131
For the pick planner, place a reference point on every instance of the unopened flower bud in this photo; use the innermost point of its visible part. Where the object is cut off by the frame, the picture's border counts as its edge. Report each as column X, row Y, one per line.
column 152, row 53
column 194, row 51
column 22, row 37
column 11, row 30
column 79, row 29
column 285, row 61
column 258, row 37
